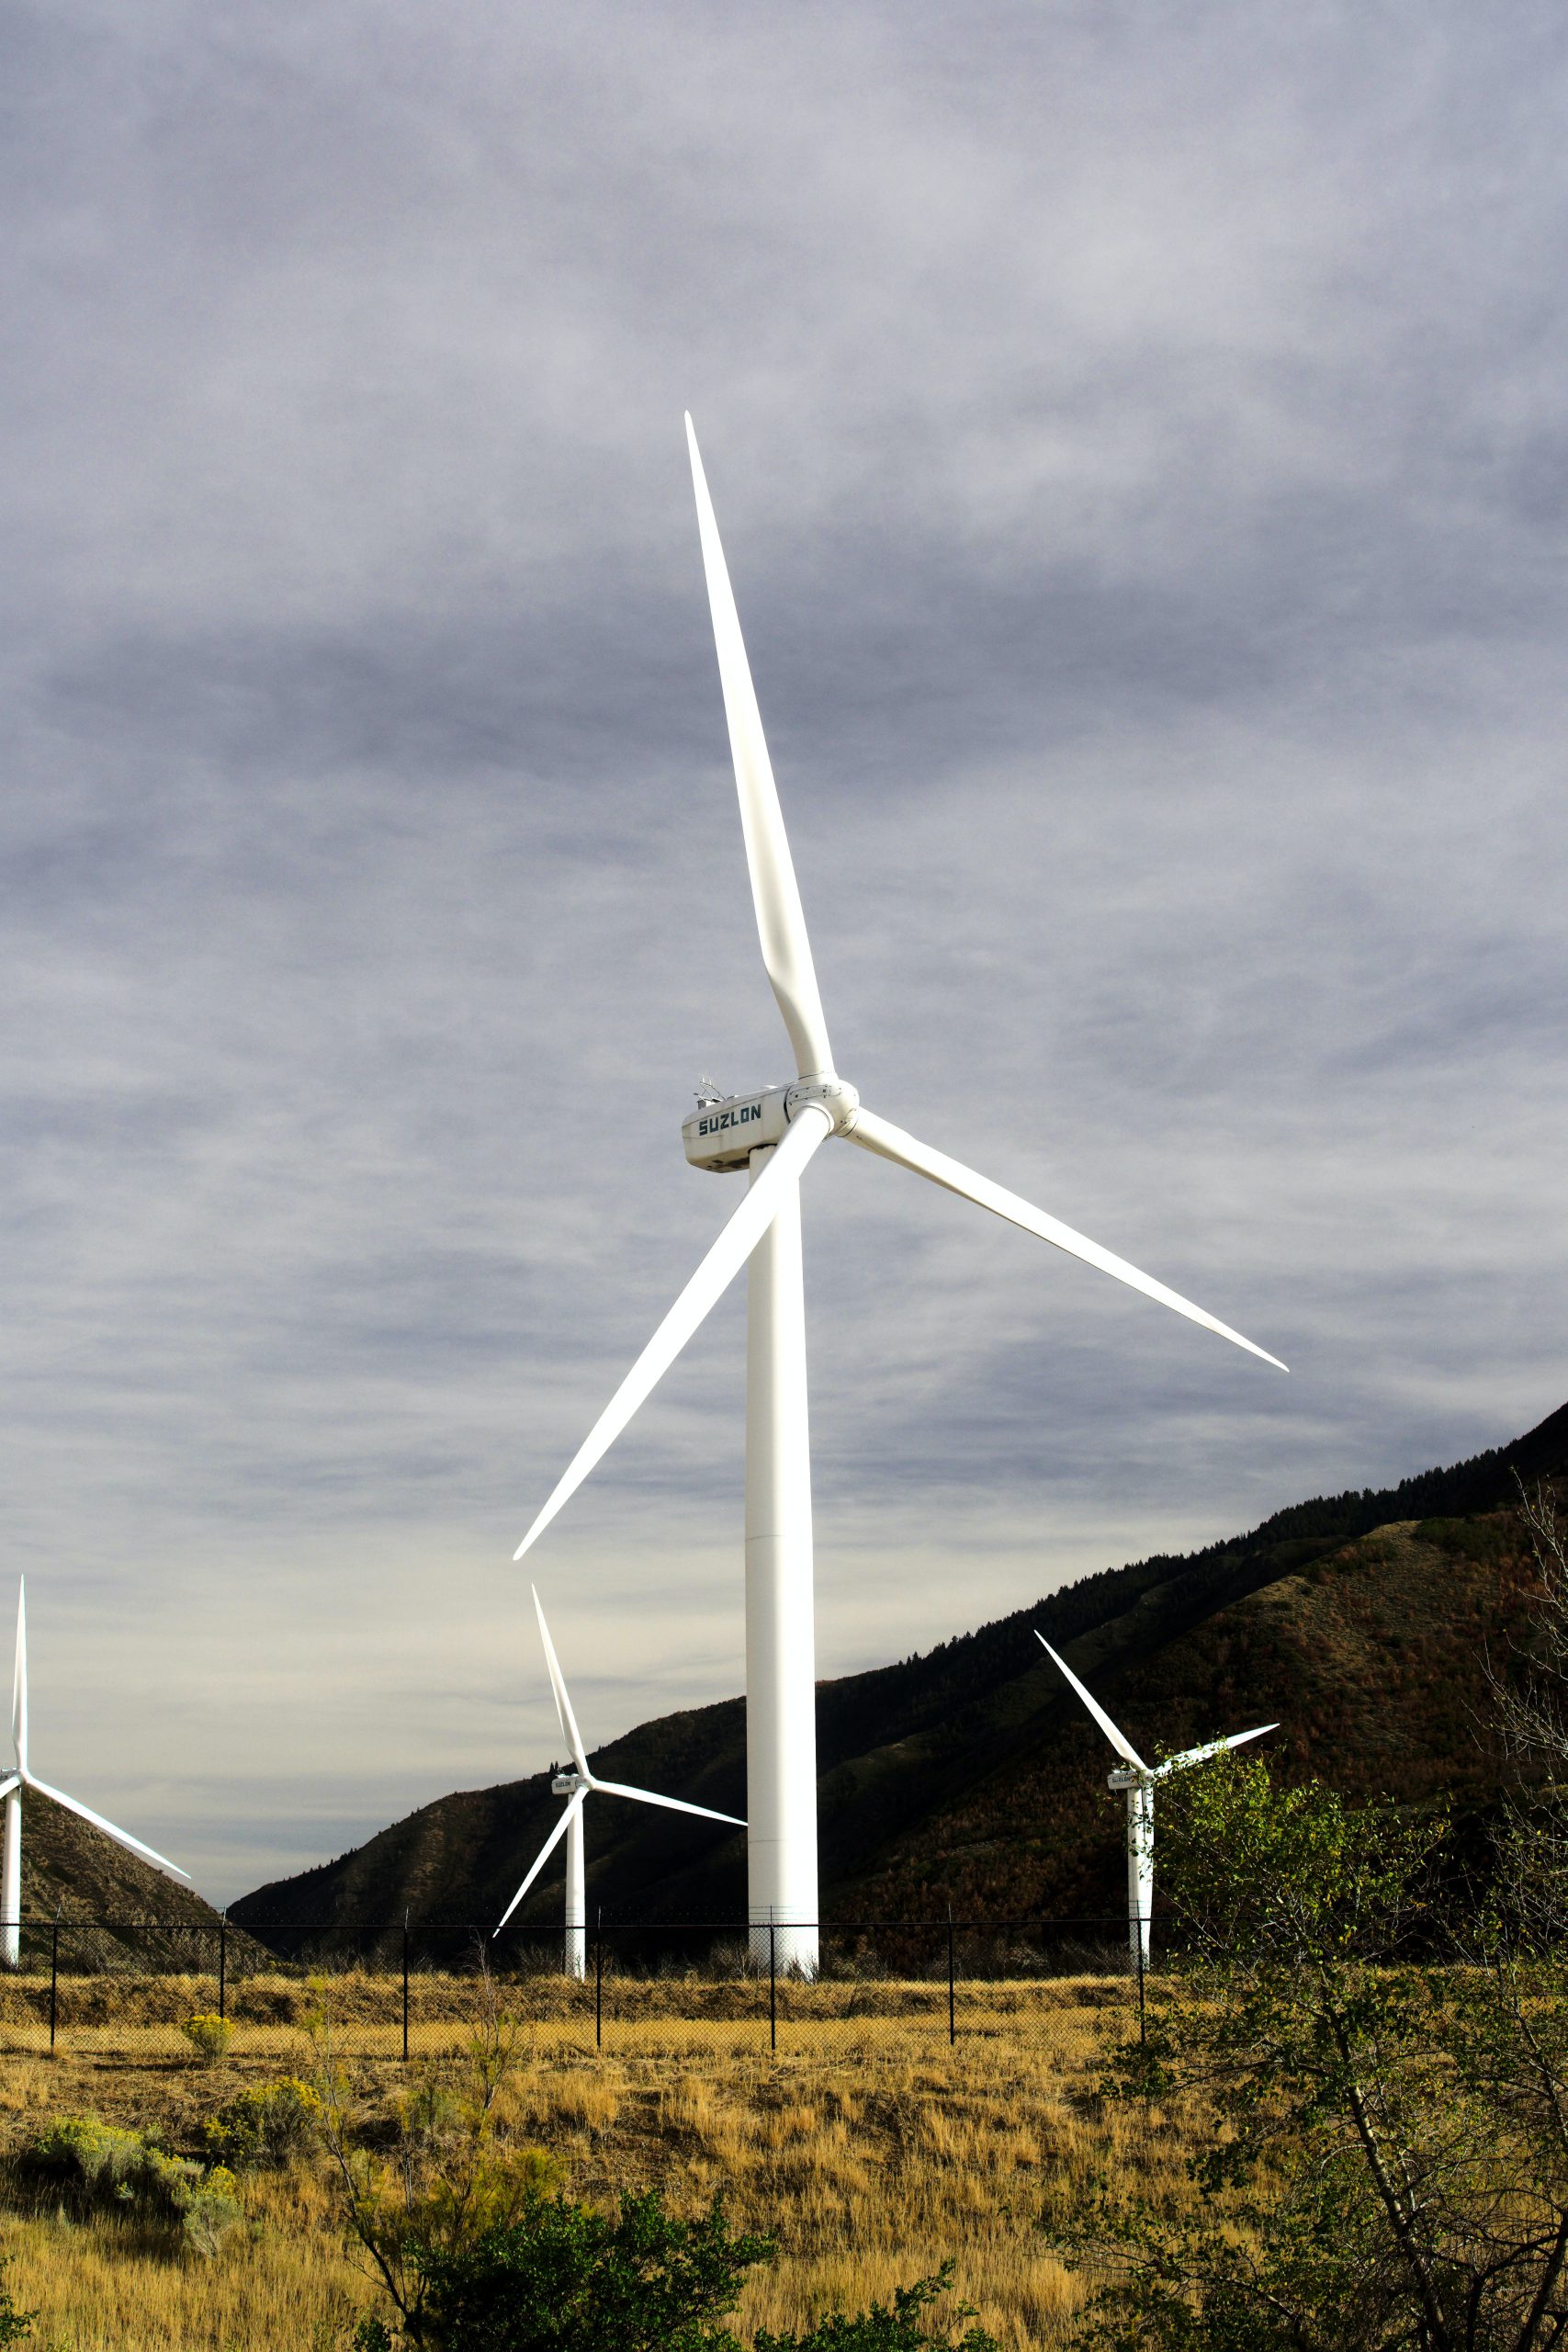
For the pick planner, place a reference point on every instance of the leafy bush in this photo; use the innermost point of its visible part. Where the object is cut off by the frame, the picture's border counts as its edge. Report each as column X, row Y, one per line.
column 95, row 2167
column 566, row 2278
column 266, row 2127
column 209, row 2035
column 898, row 2328
column 15, row 2327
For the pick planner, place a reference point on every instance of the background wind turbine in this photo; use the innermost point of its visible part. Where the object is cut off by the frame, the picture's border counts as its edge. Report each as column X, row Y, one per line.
column 1138, row 1781
column 22, row 1776
column 772, row 1135
column 576, row 1786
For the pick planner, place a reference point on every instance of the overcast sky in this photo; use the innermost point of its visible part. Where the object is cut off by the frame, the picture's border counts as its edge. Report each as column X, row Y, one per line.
column 1138, row 437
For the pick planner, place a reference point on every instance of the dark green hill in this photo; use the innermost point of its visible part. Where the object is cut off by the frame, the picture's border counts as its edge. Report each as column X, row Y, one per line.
column 970, row 1774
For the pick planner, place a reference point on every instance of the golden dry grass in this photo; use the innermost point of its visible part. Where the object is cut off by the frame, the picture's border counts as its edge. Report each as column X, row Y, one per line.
column 866, row 2145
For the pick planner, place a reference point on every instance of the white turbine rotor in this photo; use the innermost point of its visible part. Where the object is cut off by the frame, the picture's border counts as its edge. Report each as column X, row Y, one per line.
column 564, row 1714
column 19, row 1679
column 880, row 1136
column 674, row 1804
column 1118, row 1738
column 1210, row 1747
column 120, row 1836
column 736, row 1240
column 13, row 1781
column 781, row 922
column 543, row 1856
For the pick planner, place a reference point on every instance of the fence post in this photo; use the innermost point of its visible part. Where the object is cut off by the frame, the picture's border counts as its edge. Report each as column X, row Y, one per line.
column 599, row 1977
column 772, row 1990
column 952, row 2006
column 53, row 1979
column 223, row 1964
column 405, row 1988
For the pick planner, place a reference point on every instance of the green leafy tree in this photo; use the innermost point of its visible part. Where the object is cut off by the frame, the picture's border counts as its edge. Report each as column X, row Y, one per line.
column 1385, row 2124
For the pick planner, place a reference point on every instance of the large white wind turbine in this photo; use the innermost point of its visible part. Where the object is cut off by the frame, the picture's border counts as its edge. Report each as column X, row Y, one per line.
column 1138, row 1780
column 577, row 1786
column 772, row 1134
column 22, row 1776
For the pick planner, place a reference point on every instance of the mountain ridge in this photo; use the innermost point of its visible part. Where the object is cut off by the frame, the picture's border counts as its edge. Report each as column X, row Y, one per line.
column 917, row 1757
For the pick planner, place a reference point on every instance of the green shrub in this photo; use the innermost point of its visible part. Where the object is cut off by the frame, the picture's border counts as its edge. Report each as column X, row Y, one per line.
column 15, row 2326
column 96, row 2167
column 266, row 2127
column 209, row 2035
column 563, row 2277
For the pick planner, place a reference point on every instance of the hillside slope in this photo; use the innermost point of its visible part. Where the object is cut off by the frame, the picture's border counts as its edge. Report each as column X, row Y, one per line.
column 970, row 1775
column 73, row 1874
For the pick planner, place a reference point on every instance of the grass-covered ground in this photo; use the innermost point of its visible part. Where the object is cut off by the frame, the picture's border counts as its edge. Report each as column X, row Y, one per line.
column 867, row 2145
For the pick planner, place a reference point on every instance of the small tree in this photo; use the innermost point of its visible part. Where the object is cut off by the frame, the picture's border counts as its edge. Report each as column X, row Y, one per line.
column 446, row 2178
column 1385, row 2158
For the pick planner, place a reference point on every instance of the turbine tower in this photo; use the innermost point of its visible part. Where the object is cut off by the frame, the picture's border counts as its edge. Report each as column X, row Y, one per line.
column 770, row 1136
column 577, row 1786
column 22, row 1776
column 1137, row 1779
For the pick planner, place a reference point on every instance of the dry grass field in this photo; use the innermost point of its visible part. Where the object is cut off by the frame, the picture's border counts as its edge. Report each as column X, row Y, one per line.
column 871, row 2149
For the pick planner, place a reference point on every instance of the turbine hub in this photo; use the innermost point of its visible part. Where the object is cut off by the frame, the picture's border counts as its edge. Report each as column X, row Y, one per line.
column 567, row 1784
column 836, row 1096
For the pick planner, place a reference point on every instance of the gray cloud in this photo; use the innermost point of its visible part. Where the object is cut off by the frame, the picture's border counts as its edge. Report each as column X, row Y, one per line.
column 1139, row 447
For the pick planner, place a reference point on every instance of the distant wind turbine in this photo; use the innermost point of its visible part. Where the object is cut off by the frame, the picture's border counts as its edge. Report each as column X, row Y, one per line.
column 576, row 1786
column 1138, row 1780
column 22, row 1776
column 771, row 1134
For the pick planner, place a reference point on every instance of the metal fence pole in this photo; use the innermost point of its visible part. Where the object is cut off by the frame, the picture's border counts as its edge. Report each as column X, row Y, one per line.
column 54, row 1980
column 599, row 1978
column 405, row 1988
column 772, row 1990
column 223, row 1965
column 952, row 2003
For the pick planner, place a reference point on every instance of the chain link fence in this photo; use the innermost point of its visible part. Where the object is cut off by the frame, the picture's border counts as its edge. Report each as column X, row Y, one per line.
column 120, row 1989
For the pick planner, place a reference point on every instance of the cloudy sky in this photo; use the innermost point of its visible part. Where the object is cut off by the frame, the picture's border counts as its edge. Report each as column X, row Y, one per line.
column 1138, row 437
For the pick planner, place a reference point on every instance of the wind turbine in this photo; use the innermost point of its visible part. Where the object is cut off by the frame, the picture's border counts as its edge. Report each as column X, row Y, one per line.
column 1138, row 1780
column 22, row 1776
column 577, row 1786
column 772, row 1134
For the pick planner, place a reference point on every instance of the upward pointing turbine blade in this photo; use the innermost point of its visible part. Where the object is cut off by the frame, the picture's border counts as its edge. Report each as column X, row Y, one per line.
column 723, row 1261
column 675, row 1804
column 1210, row 1747
column 567, row 1719
column 889, row 1142
column 120, row 1836
column 780, row 923
column 1119, row 1739
column 19, row 1679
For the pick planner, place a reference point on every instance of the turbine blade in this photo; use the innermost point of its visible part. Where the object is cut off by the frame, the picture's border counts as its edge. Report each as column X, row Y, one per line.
column 541, row 1858
column 120, row 1836
column 1119, row 1739
column 891, row 1143
column 12, row 1780
column 564, row 1715
column 675, row 1804
column 19, row 1679
column 780, row 924
column 735, row 1244
column 1210, row 1747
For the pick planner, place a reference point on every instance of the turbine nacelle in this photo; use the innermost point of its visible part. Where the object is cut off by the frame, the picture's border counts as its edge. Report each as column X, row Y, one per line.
column 722, row 1133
